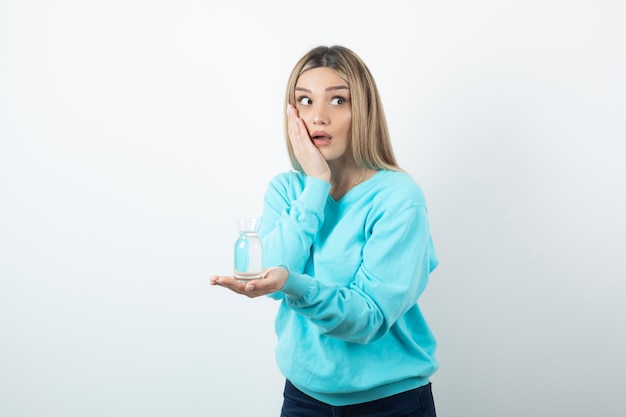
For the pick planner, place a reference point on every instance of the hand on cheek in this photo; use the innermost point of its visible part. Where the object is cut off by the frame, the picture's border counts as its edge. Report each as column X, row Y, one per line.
column 310, row 158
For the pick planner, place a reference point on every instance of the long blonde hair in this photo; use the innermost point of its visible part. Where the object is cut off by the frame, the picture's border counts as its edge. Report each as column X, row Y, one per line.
column 371, row 145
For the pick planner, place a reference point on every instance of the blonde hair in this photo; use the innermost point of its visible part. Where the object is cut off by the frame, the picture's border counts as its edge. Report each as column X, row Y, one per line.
column 371, row 145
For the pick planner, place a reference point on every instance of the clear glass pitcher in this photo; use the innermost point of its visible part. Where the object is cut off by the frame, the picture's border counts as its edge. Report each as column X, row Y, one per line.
column 248, row 250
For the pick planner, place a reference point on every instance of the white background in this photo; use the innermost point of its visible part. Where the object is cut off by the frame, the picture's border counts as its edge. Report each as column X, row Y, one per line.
column 133, row 132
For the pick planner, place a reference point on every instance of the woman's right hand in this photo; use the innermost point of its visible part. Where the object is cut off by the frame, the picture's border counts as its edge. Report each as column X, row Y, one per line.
column 273, row 280
column 310, row 158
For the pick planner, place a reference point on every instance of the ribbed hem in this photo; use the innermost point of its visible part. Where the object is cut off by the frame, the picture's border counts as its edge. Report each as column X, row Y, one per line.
column 376, row 393
column 296, row 286
column 315, row 193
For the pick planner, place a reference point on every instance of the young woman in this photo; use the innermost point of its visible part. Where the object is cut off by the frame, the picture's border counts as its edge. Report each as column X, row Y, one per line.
column 348, row 249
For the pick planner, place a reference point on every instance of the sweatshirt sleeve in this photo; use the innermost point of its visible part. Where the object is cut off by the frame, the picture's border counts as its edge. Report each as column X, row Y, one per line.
column 293, row 213
column 397, row 260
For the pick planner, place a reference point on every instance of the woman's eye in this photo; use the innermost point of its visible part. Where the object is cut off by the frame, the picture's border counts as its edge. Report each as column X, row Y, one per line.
column 304, row 101
column 337, row 101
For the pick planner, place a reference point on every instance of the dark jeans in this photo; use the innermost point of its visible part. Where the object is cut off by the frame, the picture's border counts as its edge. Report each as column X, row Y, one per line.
column 414, row 403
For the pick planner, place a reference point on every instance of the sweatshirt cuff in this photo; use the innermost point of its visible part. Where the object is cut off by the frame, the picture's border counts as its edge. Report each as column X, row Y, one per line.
column 297, row 286
column 315, row 193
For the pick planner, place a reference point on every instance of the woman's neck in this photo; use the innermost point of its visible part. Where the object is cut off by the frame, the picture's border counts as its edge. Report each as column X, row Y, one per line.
column 344, row 179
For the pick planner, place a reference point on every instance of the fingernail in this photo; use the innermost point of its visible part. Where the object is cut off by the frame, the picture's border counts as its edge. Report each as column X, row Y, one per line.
column 249, row 287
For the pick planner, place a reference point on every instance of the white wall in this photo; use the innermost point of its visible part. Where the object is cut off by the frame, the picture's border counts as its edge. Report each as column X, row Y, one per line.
column 133, row 132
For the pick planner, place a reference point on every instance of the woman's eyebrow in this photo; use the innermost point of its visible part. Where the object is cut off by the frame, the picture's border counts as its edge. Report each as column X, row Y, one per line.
column 338, row 87
column 333, row 88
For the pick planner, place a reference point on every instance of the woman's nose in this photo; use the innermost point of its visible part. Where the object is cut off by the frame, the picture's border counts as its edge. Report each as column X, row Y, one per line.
column 319, row 117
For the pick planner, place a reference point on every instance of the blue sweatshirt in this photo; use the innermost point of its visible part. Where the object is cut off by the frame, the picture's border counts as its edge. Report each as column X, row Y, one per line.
column 349, row 327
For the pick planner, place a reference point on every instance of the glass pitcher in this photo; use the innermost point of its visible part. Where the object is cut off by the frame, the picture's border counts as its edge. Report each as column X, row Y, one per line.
column 248, row 250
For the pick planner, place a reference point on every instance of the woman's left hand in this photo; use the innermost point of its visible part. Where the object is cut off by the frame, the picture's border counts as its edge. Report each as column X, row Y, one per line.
column 273, row 280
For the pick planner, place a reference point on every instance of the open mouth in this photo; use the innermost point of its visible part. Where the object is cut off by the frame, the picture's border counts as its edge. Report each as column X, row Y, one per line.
column 321, row 138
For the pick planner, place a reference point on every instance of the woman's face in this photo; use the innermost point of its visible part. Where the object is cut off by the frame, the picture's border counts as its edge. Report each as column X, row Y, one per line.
column 323, row 103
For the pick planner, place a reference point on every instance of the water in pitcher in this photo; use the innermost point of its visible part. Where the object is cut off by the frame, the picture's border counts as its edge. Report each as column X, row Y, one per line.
column 248, row 250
